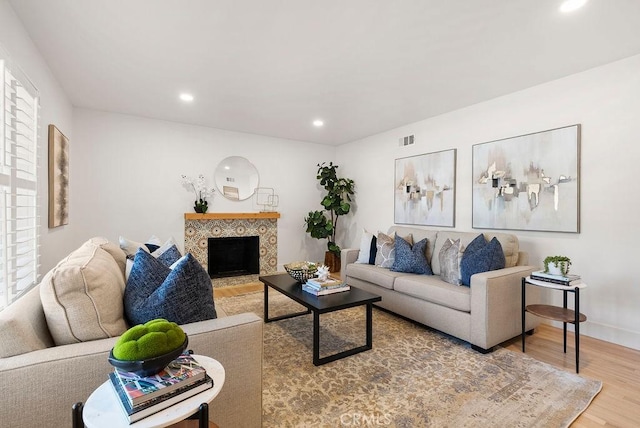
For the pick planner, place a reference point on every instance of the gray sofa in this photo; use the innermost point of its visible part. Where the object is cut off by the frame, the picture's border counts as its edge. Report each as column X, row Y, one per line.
column 485, row 314
column 41, row 381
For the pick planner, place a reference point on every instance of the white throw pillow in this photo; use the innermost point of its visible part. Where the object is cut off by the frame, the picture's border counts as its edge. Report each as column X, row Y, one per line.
column 365, row 247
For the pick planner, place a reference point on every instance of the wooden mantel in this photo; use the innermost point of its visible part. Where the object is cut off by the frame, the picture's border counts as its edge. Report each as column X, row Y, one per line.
column 229, row 216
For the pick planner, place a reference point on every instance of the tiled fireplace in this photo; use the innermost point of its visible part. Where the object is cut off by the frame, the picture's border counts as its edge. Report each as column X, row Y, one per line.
column 198, row 228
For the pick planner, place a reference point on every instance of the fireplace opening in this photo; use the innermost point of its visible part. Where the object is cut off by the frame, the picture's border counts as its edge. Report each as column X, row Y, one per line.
column 233, row 256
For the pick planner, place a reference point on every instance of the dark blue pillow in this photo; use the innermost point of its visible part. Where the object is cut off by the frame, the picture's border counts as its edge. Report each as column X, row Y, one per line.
column 480, row 256
column 151, row 247
column 373, row 250
column 182, row 295
column 170, row 256
column 410, row 259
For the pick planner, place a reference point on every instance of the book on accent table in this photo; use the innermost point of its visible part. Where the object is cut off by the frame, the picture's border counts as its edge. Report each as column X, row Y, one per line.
column 160, row 402
column 323, row 291
column 556, row 279
column 329, row 282
column 182, row 371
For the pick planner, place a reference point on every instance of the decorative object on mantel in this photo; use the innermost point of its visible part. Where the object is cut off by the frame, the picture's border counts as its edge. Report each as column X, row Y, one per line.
column 557, row 265
column 266, row 199
column 202, row 192
column 336, row 202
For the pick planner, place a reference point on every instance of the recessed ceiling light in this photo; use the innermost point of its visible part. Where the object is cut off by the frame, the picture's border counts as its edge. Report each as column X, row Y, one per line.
column 571, row 5
column 318, row 123
column 186, row 97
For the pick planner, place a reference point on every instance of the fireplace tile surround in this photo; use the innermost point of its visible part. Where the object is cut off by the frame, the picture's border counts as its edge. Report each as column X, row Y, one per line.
column 198, row 228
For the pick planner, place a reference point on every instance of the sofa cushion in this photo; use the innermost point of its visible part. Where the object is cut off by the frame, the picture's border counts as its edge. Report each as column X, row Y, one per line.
column 368, row 248
column 374, row 274
column 435, row 290
column 449, row 258
column 386, row 250
column 481, row 256
column 82, row 296
column 23, row 327
column 183, row 294
column 411, row 258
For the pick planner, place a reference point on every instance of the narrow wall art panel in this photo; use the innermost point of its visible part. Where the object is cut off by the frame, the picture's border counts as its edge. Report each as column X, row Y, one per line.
column 425, row 189
column 529, row 182
column 58, row 178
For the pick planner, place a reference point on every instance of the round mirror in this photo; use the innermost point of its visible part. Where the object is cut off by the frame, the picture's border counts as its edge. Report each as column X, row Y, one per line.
column 236, row 178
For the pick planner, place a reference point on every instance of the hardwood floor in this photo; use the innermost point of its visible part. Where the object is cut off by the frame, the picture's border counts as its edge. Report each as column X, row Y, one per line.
column 617, row 405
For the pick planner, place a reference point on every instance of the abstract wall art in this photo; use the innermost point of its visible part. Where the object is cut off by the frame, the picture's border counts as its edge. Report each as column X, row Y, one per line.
column 58, row 178
column 529, row 182
column 425, row 189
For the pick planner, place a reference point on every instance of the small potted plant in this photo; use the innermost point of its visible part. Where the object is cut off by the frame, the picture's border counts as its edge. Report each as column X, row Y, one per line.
column 557, row 265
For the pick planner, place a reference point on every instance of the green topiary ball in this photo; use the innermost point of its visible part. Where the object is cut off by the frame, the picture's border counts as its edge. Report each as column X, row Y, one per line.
column 148, row 340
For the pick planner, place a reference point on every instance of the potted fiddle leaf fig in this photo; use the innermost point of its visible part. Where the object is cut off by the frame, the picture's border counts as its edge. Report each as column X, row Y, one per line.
column 322, row 224
column 557, row 265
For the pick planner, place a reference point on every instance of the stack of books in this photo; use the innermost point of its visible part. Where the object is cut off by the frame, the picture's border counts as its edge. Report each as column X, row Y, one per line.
column 556, row 279
column 142, row 396
column 319, row 287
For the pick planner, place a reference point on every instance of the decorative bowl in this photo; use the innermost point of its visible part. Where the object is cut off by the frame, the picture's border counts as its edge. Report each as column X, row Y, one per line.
column 149, row 366
column 301, row 271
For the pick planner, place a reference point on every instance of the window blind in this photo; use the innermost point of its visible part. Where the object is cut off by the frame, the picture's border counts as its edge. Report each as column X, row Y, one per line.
column 19, row 248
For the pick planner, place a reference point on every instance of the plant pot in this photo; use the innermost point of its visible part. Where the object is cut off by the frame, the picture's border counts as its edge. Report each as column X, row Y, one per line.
column 201, row 207
column 332, row 261
column 554, row 269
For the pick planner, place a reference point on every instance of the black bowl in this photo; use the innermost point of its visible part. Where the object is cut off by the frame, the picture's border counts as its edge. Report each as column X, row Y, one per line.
column 149, row 366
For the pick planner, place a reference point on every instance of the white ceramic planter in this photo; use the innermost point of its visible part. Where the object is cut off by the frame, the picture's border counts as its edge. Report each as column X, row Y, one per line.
column 554, row 269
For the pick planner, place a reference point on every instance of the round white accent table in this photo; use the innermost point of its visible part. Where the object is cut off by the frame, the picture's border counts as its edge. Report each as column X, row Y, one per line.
column 103, row 410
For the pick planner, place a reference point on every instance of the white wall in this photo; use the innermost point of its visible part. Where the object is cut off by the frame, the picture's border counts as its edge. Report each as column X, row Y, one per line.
column 606, row 101
column 127, row 178
column 55, row 108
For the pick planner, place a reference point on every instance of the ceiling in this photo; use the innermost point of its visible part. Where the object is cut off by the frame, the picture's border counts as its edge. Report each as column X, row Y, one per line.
column 271, row 67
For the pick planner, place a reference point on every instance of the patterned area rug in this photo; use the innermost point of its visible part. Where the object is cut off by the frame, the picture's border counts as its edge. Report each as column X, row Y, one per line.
column 413, row 376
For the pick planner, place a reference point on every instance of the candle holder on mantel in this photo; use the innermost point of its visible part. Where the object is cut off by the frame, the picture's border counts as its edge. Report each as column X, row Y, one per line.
column 266, row 199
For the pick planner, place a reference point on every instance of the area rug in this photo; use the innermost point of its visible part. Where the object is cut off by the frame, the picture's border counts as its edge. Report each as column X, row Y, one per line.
column 413, row 376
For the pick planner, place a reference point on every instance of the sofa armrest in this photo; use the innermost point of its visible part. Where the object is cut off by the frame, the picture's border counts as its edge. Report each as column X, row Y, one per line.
column 41, row 386
column 348, row 255
column 496, row 305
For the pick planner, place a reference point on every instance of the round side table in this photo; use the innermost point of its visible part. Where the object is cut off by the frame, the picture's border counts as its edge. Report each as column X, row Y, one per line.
column 103, row 410
column 556, row 313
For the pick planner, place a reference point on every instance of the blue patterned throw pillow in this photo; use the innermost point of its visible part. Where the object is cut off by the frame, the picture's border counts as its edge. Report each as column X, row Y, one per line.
column 481, row 256
column 411, row 259
column 182, row 294
column 169, row 256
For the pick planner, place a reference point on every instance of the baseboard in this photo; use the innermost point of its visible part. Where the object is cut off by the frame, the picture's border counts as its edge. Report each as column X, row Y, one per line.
column 619, row 336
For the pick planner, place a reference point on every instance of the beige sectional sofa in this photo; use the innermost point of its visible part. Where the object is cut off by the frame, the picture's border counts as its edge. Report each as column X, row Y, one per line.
column 41, row 381
column 484, row 314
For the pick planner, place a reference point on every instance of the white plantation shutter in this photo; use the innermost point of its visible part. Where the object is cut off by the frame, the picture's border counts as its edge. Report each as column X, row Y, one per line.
column 18, row 182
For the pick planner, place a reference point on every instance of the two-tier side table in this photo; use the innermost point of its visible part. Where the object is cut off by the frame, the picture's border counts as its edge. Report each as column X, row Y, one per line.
column 557, row 313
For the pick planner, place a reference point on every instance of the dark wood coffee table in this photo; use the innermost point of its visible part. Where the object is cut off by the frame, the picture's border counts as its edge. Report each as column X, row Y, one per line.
column 321, row 305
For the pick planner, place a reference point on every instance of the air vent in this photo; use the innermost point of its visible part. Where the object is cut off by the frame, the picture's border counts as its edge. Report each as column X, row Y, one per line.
column 406, row 141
